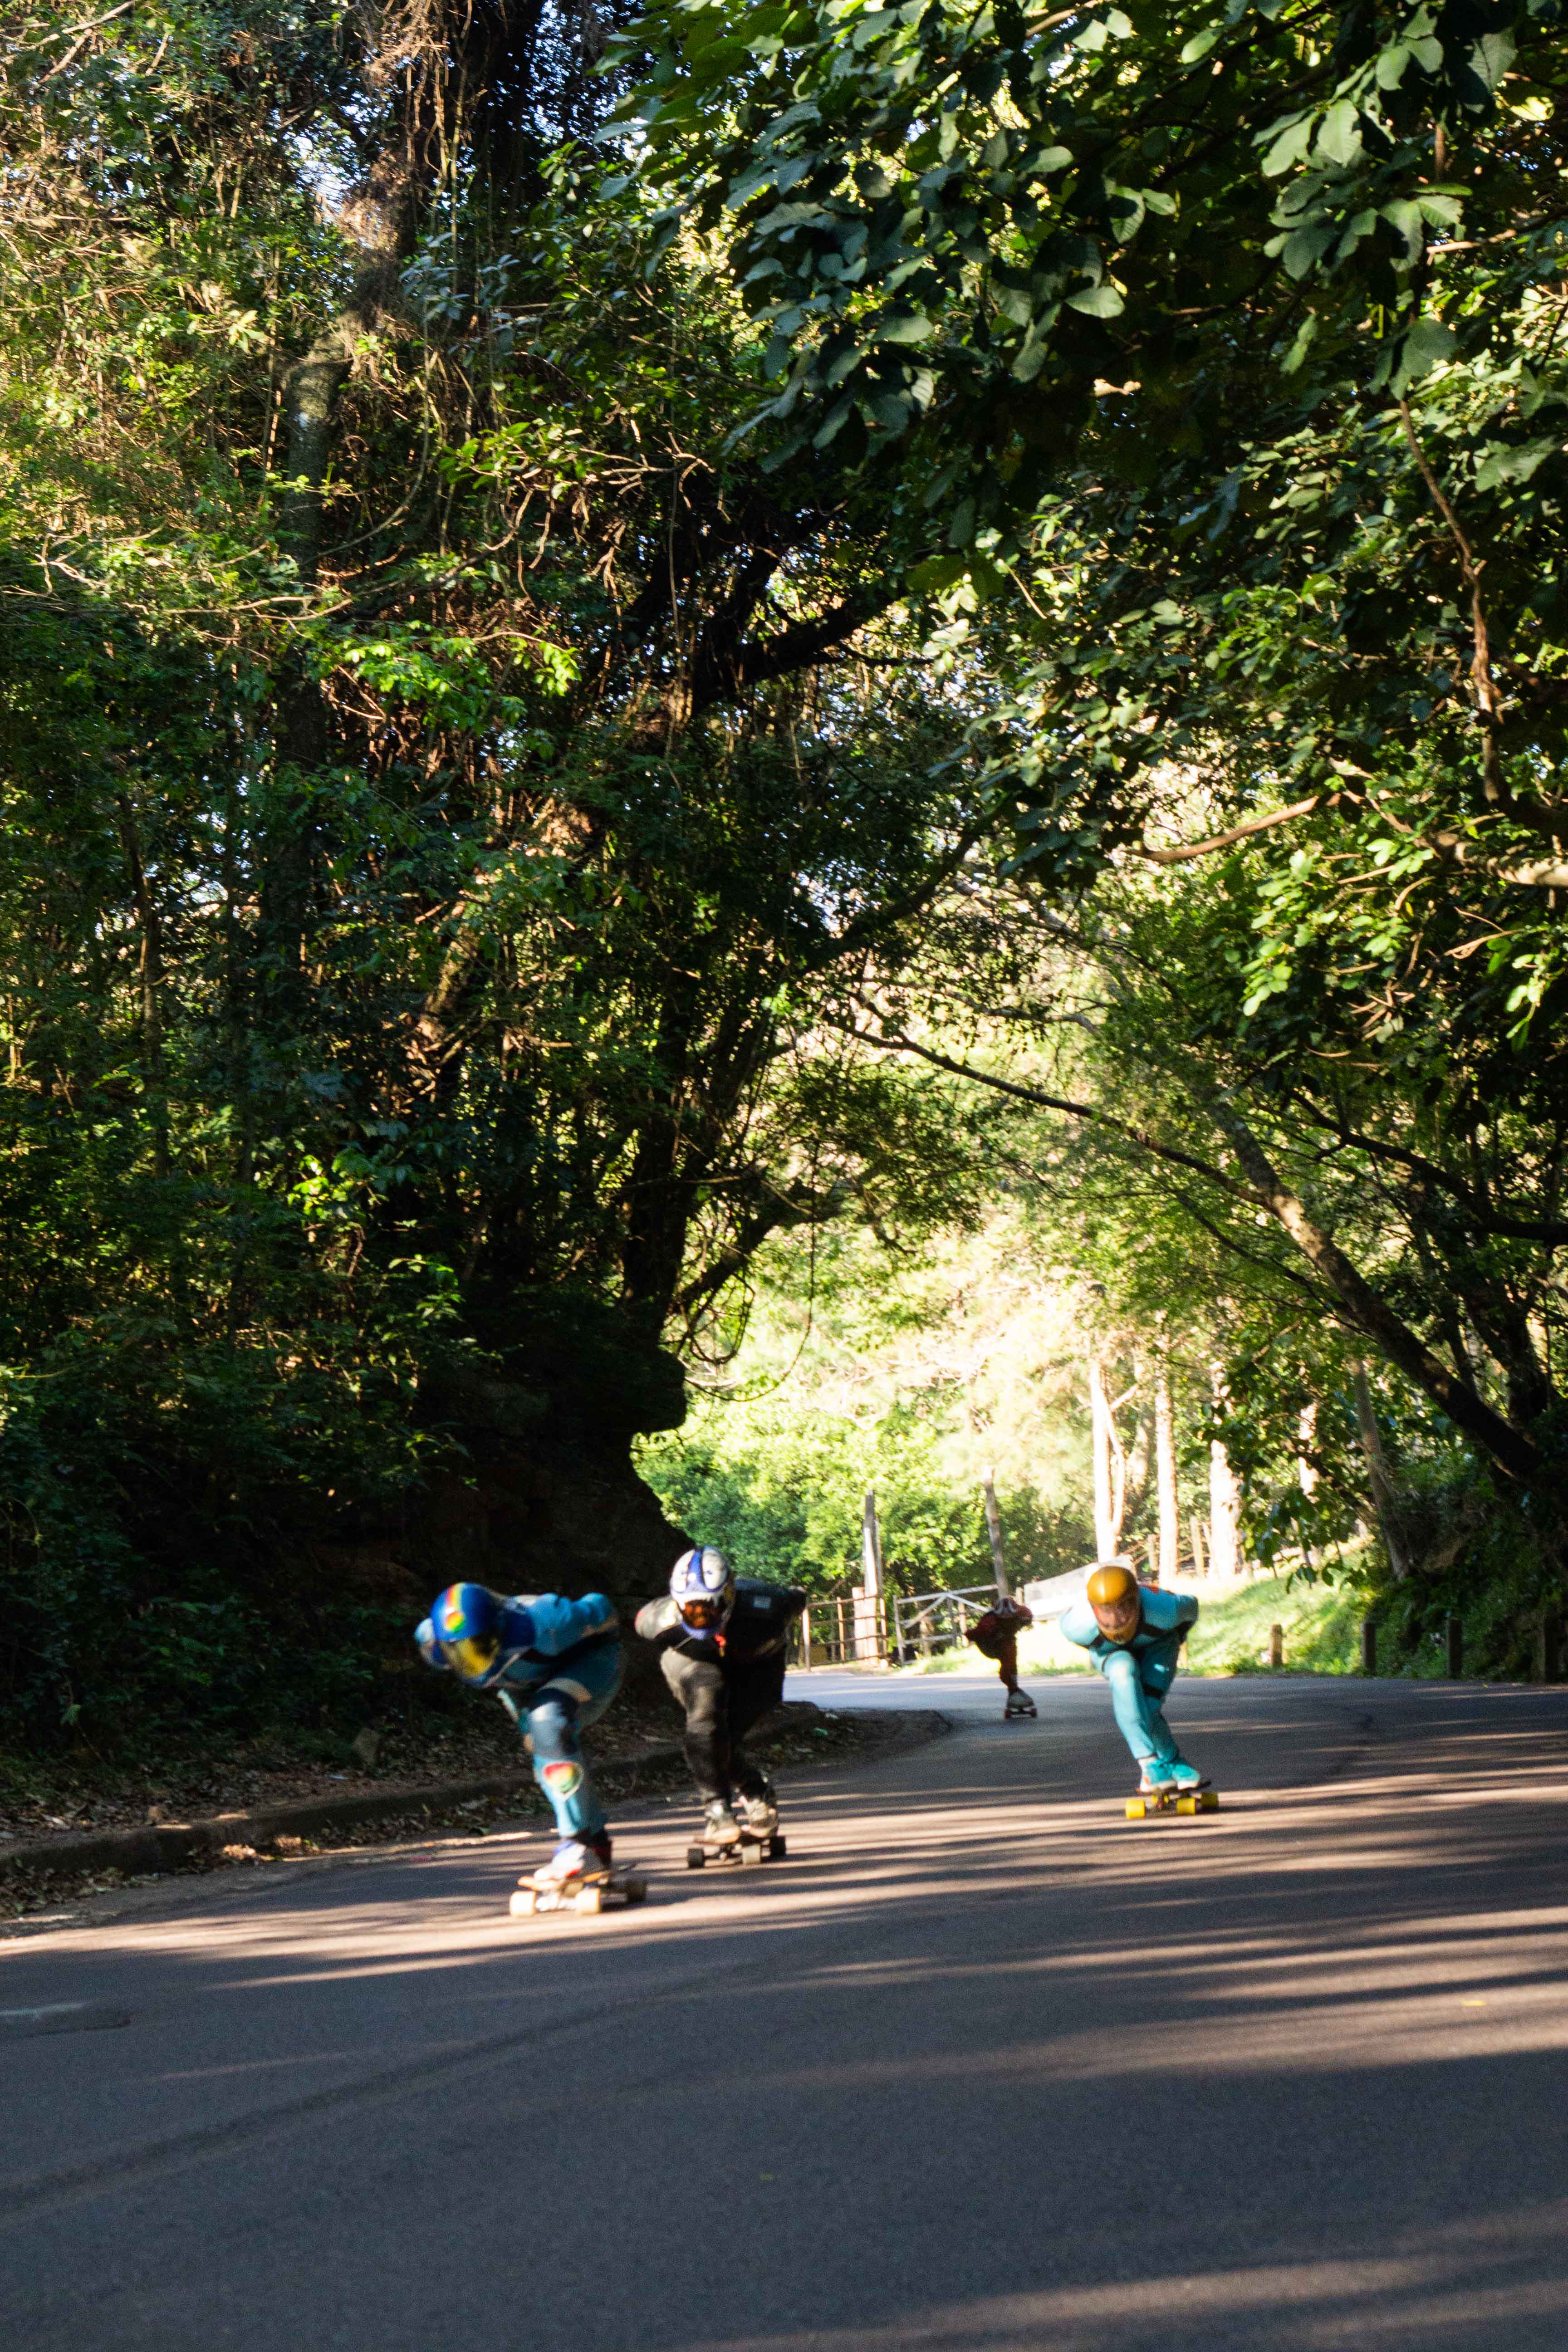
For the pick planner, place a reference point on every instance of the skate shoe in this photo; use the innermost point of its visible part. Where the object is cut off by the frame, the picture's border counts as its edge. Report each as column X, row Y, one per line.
column 1018, row 1703
column 759, row 1813
column 573, row 1859
column 720, row 1827
column 1185, row 1775
column 1156, row 1778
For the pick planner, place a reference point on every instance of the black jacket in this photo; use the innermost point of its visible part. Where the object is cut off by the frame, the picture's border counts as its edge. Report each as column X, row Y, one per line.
column 758, row 1625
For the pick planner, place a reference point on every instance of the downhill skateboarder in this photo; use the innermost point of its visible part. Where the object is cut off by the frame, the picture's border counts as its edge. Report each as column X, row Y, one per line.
column 1134, row 1637
column 995, row 1636
column 555, row 1666
column 721, row 1643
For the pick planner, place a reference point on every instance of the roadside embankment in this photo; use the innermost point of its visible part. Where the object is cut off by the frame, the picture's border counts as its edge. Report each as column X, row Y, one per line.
column 798, row 1737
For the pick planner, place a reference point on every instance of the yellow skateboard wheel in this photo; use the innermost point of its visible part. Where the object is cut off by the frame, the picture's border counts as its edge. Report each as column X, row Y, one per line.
column 1137, row 1809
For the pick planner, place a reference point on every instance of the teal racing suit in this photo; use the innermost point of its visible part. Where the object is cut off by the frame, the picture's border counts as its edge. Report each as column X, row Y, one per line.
column 557, row 1670
column 1141, row 1671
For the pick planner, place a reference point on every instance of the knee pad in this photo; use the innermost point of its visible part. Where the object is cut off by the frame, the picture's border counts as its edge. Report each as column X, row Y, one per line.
column 550, row 1730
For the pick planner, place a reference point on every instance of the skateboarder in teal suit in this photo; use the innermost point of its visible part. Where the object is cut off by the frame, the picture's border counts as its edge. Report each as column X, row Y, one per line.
column 555, row 1666
column 1134, row 1637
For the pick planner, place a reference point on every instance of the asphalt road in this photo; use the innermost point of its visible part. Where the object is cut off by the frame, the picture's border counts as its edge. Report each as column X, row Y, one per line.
column 982, row 2066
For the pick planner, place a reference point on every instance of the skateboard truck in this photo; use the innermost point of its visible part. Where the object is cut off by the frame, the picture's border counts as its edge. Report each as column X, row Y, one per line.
column 1179, row 1801
column 746, row 1851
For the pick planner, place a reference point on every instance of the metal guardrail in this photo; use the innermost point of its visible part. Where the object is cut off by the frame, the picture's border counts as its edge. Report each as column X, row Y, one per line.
column 928, row 1621
column 854, row 1628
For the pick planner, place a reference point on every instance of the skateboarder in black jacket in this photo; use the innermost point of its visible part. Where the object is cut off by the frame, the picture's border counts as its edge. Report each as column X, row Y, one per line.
column 721, row 1639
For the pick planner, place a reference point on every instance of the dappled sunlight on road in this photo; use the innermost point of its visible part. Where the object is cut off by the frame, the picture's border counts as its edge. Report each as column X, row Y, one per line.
column 1463, row 2277
column 1357, row 1970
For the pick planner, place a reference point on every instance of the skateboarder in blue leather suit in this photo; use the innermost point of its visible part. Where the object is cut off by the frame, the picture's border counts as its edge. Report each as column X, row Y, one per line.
column 1135, row 1636
column 555, row 1666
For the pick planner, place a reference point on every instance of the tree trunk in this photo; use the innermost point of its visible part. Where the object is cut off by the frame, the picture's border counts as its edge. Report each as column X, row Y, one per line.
column 1225, row 1502
column 151, row 978
column 1166, row 1473
column 1110, row 1465
column 1384, row 1495
column 1365, row 1311
column 994, row 1529
column 1225, row 1515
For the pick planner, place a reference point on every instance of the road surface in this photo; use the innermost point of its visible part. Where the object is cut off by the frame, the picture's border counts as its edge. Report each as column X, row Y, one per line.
column 981, row 2067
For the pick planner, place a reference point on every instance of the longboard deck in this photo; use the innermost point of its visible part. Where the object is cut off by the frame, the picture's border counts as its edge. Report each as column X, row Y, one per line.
column 1194, row 1800
column 602, row 1890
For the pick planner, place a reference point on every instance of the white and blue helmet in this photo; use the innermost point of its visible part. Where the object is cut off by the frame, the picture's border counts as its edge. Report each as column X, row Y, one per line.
column 702, row 1587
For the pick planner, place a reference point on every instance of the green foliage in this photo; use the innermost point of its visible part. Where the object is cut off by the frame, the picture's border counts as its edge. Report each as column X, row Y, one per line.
column 909, row 1375
column 434, row 824
column 477, row 802
column 1321, row 1626
column 956, row 224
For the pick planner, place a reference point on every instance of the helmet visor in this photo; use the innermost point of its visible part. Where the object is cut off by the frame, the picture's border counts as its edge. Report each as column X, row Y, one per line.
column 1119, row 1619
column 705, row 1615
column 473, row 1655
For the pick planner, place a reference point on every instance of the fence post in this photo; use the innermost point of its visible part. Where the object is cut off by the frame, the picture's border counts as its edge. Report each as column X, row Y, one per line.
column 1455, row 1632
column 1277, row 1645
column 1551, row 1647
column 805, row 1635
column 1368, row 1646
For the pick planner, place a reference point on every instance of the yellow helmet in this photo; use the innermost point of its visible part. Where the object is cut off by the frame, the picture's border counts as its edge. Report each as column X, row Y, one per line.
column 1109, row 1587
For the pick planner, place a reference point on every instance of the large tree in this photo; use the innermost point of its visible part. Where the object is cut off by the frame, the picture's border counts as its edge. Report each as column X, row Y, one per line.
column 442, row 772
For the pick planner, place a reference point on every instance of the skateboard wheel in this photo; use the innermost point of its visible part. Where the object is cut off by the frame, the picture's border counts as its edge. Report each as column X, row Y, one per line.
column 1186, row 1804
column 751, row 1853
column 777, row 1849
column 695, row 1858
column 1208, row 1801
column 1137, row 1809
column 523, row 1904
column 588, row 1898
column 636, row 1890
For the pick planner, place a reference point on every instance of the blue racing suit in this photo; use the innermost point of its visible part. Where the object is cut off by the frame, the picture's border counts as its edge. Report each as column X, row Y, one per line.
column 558, row 1668
column 1141, row 1671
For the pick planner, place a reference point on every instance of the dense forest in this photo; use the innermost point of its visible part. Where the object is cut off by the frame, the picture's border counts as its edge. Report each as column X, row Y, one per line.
column 772, row 704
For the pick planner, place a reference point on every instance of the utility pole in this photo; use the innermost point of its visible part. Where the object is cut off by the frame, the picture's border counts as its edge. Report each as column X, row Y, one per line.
column 994, row 1529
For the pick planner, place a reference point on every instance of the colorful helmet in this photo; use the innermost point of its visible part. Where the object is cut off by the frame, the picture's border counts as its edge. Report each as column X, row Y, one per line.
column 702, row 1586
column 466, row 1623
column 1109, row 1587
column 1113, row 1592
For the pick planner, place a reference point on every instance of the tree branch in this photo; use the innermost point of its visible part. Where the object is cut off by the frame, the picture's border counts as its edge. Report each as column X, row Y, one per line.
column 1170, row 1153
column 1224, row 840
column 1365, row 1308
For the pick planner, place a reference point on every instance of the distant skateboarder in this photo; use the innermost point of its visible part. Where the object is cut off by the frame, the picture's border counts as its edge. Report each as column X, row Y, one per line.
column 1134, row 1637
column 555, row 1666
column 995, row 1636
column 721, row 1642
